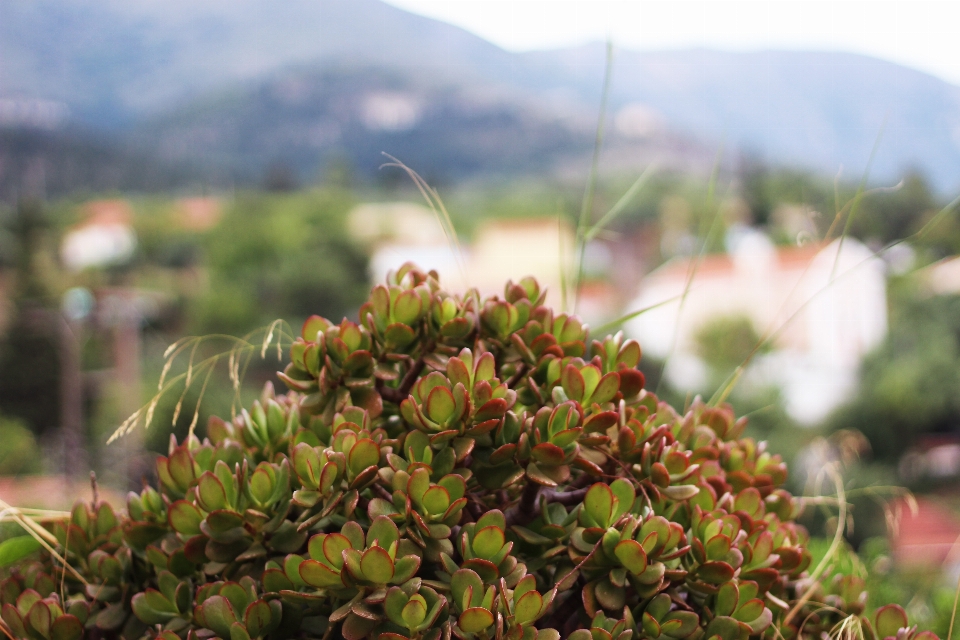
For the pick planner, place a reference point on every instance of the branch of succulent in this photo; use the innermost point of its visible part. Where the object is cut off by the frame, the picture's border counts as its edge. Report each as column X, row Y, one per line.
column 449, row 467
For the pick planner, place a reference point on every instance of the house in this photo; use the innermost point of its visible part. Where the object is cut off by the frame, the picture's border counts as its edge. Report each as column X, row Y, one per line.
column 198, row 213
column 926, row 535
column 822, row 308
column 104, row 237
column 500, row 250
column 943, row 277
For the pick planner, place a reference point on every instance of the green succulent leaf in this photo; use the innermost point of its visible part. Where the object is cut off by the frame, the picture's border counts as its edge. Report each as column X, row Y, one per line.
column 475, row 620
column 14, row 550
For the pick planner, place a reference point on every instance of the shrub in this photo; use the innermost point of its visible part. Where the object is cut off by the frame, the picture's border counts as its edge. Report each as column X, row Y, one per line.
column 450, row 467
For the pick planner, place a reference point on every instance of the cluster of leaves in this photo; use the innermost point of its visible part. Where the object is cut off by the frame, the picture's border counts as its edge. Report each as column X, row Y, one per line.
column 448, row 467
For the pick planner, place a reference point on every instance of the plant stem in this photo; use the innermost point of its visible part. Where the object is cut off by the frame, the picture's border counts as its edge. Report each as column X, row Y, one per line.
column 567, row 497
column 516, row 377
column 525, row 510
column 399, row 394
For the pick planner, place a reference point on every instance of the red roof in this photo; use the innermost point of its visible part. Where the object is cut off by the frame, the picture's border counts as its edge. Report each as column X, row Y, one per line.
column 107, row 213
column 722, row 263
column 930, row 537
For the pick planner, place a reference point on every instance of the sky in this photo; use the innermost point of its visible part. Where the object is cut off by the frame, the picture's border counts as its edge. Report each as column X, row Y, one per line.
column 916, row 33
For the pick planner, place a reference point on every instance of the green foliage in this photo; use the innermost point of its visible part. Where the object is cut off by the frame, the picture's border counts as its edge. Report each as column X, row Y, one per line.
column 280, row 254
column 448, row 467
column 20, row 452
column 908, row 386
column 726, row 342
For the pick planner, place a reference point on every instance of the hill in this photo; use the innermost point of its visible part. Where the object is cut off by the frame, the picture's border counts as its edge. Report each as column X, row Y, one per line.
column 138, row 67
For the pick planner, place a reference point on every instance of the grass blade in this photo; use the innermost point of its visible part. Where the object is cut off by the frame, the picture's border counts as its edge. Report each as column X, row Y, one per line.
column 695, row 265
column 586, row 206
column 605, row 328
column 621, row 204
column 436, row 205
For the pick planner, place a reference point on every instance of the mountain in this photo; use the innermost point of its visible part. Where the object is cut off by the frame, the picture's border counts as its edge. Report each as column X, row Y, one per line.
column 308, row 119
column 35, row 162
column 815, row 109
column 115, row 61
column 230, row 70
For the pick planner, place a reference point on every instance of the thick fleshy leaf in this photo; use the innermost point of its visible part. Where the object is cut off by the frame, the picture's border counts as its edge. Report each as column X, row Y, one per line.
column 475, row 620
column 680, row 624
column 404, row 568
column 715, row 572
column 749, row 611
column 218, row 615
column 365, row 453
column 312, row 326
column 454, row 484
column 890, row 619
column 606, row 389
column 632, row 556
column 382, row 531
column 407, row 307
column 210, row 492
column 13, row 619
column 651, row 626
column 598, row 504
column 681, row 491
column 15, row 549
column 393, row 604
column 357, row 628
column 492, row 518
column 759, row 624
column 436, row 499
column 261, row 485
column 548, row 454
column 724, row 627
column 573, row 383
column 334, row 544
column 39, row 617
column 625, row 494
column 257, row 618
column 414, row 611
column 465, row 582
column 488, row 541
column 440, row 405
column 185, row 518
column 528, row 607
column 376, row 565
column 610, row 596
column 539, row 475
column 727, row 599
column 317, row 574
column 66, row 627
column 239, row 632
column 223, row 521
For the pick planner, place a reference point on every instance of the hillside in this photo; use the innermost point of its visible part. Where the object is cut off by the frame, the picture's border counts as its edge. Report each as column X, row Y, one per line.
column 217, row 68
column 823, row 110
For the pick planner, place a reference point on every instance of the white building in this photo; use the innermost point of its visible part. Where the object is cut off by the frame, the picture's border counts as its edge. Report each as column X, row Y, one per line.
column 501, row 250
column 105, row 237
column 822, row 312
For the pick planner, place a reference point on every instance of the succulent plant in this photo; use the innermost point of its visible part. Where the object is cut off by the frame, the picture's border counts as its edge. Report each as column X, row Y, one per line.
column 449, row 466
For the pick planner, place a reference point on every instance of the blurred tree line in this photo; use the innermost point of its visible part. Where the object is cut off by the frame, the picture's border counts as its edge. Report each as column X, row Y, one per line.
column 286, row 254
column 270, row 256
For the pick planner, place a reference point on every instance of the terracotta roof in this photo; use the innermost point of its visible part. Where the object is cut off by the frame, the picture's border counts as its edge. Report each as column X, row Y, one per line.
column 722, row 263
column 199, row 213
column 927, row 537
column 106, row 212
column 802, row 256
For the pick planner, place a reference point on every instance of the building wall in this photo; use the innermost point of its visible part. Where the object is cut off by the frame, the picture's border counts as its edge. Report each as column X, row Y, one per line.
column 822, row 314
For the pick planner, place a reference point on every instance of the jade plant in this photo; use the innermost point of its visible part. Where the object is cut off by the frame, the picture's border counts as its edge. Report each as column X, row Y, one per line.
column 449, row 467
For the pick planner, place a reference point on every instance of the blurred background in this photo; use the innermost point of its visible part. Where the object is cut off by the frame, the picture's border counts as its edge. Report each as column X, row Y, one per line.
column 176, row 168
